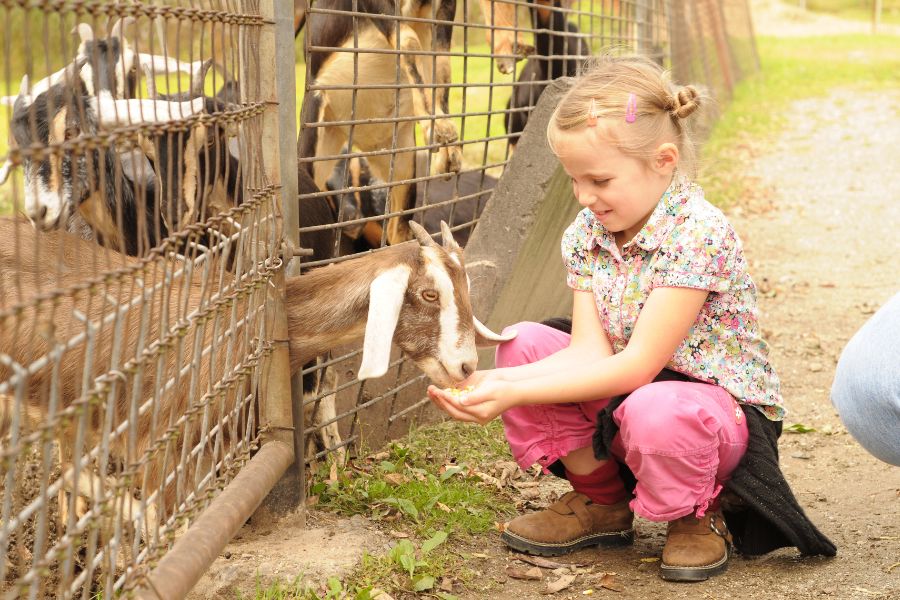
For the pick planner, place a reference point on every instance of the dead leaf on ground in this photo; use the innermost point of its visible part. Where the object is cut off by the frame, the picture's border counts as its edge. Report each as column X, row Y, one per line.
column 533, row 574
column 378, row 594
column 560, row 584
column 611, row 582
column 501, row 527
column 398, row 534
column 446, row 584
column 395, row 478
column 443, row 507
column 546, row 563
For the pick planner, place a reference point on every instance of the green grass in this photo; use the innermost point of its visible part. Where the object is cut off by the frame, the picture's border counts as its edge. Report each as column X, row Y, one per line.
column 792, row 69
column 858, row 10
column 423, row 487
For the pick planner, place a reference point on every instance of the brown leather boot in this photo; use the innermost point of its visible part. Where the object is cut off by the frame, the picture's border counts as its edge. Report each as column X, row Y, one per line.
column 572, row 522
column 696, row 549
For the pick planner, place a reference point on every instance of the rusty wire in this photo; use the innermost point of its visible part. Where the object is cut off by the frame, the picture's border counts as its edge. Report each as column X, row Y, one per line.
column 128, row 382
column 97, row 476
column 715, row 35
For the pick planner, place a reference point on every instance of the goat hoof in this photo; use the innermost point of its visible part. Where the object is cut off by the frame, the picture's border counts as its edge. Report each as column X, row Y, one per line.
column 445, row 132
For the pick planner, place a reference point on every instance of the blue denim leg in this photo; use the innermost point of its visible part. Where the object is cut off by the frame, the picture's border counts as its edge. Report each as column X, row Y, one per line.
column 866, row 388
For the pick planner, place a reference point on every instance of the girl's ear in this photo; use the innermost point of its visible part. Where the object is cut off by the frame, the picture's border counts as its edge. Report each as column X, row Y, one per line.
column 666, row 157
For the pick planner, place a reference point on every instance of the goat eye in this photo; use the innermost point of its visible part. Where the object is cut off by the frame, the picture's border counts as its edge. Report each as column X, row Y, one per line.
column 71, row 133
column 430, row 295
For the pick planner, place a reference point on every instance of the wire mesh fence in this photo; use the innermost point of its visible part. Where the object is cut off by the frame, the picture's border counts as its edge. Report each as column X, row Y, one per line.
column 469, row 74
column 142, row 234
column 133, row 324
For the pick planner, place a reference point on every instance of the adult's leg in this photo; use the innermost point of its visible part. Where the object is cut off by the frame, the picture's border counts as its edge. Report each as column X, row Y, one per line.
column 866, row 388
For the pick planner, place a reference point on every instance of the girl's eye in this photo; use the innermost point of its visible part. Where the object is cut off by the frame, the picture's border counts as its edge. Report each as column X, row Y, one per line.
column 430, row 295
column 601, row 181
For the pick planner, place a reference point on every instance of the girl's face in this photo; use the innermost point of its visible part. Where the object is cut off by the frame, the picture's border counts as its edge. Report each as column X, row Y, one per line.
column 620, row 190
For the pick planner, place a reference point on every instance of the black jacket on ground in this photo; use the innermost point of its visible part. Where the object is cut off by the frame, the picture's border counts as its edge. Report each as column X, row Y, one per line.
column 760, row 508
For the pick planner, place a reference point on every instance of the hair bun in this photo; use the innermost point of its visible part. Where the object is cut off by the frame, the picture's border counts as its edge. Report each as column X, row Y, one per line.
column 686, row 101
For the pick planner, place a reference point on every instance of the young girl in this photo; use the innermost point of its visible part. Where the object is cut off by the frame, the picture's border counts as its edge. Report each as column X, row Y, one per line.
column 660, row 282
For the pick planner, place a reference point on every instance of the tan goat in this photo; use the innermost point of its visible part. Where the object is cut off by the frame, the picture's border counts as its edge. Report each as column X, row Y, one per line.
column 132, row 389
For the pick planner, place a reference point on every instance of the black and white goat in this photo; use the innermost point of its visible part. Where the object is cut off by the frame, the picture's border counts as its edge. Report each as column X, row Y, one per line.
column 111, row 191
column 198, row 170
column 414, row 295
column 355, row 58
column 559, row 51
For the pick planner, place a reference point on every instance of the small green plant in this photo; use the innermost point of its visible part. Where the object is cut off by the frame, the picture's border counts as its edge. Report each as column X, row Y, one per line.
column 413, row 562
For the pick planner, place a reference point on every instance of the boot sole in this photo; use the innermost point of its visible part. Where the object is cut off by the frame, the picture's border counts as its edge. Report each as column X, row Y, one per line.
column 609, row 539
column 670, row 573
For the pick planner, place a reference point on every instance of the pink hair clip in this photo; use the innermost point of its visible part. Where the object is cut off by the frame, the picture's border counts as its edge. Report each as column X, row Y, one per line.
column 631, row 109
column 592, row 114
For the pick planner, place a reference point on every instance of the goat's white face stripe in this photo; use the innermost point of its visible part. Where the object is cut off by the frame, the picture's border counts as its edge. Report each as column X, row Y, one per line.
column 38, row 195
column 448, row 343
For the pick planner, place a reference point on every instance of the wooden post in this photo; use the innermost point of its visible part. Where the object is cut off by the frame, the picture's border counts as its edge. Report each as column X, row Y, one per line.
column 876, row 15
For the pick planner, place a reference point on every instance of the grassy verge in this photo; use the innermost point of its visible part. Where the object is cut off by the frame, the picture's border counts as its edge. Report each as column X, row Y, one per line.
column 792, row 69
column 424, row 490
column 859, row 10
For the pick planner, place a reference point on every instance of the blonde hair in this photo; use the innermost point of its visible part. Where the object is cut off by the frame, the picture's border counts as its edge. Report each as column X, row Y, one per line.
column 602, row 92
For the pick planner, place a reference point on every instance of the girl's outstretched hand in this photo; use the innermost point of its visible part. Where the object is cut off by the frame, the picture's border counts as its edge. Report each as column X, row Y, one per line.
column 478, row 402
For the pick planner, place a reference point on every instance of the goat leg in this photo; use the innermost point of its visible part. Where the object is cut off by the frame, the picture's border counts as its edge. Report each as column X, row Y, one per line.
column 507, row 46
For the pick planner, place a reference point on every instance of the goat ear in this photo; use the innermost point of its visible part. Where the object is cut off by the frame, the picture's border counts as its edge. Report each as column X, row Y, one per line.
column 84, row 31
column 486, row 337
column 386, row 294
column 447, row 236
column 421, row 235
column 113, row 112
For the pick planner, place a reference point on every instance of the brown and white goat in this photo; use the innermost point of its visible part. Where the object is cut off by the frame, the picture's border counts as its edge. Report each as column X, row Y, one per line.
column 355, row 59
column 413, row 295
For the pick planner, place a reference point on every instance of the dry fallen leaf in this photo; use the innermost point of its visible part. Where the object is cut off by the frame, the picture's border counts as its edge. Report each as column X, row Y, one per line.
column 611, row 582
column 398, row 534
column 534, row 573
column 560, row 584
column 444, row 507
column 544, row 562
column 446, row 584
column 395, row 478
column 501, row 527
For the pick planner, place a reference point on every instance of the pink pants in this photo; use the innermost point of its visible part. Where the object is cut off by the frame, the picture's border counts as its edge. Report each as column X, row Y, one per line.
column 681, row 440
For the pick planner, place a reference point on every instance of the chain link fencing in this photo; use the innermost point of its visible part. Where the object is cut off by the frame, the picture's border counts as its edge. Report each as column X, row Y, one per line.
column 143, row 232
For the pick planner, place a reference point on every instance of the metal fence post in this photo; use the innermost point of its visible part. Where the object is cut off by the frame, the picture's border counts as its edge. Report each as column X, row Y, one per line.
column 277, row 411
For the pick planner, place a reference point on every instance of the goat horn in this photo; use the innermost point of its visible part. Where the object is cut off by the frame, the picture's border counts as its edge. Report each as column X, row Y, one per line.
column 198, row 75
column 25, row 86
column 486, row 335
column 84, row 32
column 5, row 170
column 113, row 112
column 420, row 234
column 447, row 237
column 151, row 81
column 118, row 28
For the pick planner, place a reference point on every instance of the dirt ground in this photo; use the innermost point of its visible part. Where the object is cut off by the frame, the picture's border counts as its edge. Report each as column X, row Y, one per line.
column 821, row 235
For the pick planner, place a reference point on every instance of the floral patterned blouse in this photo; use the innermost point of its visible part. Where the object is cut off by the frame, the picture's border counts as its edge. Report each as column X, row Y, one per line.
column 687, row 242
